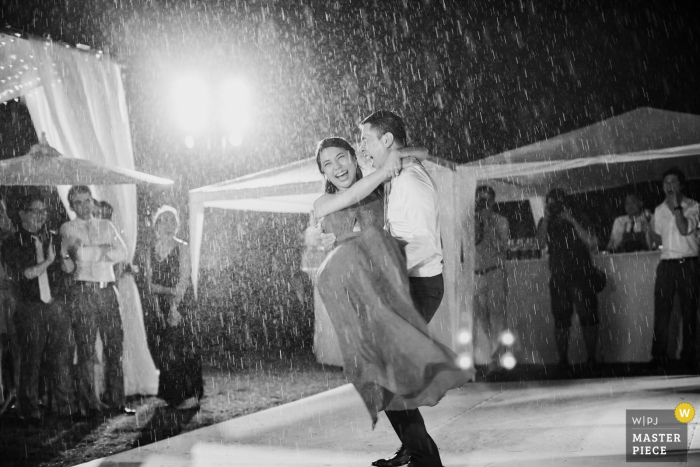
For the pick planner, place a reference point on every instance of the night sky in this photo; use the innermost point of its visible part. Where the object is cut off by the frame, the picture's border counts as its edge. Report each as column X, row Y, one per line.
column 471, row 79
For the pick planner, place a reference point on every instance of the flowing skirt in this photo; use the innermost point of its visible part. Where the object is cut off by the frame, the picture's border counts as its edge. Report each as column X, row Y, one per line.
column 387, row 351
column 175, row 349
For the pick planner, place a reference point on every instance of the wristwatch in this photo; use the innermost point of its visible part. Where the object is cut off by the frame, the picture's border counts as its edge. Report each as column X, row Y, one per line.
column 678, row 208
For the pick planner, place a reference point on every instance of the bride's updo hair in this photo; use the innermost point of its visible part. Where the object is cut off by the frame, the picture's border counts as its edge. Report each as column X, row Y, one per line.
column 335, row 142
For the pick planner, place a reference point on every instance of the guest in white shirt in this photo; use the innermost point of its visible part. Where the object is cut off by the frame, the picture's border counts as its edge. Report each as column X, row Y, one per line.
column 674, row 226
column 90, row 247
column 631, row 232
column 413, row 218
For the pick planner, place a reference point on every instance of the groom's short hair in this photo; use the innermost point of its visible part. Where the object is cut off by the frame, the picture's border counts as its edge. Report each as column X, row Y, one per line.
column 386, row 121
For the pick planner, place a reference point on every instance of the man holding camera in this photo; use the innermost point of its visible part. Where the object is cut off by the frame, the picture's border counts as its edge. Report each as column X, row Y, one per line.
column 571, row 268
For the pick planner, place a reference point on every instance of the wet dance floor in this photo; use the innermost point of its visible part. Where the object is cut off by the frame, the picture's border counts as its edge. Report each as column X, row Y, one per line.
column 535, row 423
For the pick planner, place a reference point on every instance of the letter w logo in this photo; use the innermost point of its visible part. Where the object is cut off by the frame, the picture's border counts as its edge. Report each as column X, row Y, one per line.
column 685, row 412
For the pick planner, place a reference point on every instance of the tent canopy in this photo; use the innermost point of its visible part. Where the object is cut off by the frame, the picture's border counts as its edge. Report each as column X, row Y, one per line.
column 291, row 188
column 633, row 147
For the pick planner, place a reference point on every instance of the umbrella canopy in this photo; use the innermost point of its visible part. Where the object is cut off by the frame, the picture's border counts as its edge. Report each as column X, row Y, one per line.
column 44, row 166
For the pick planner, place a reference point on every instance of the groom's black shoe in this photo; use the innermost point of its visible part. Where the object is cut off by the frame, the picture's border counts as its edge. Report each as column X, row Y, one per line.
column 400, row 457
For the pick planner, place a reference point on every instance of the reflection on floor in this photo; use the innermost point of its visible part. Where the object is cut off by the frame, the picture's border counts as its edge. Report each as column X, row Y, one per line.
column 511, row 421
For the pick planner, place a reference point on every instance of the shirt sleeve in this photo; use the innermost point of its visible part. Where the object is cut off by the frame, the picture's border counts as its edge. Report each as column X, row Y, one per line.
column 692, row 213
column 616, row 234
column 503, row 233
column 118, row 252
column 419, row 201
column 655, row 222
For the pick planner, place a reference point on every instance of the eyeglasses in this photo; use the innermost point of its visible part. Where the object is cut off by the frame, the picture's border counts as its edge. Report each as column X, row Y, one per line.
column 40, row 212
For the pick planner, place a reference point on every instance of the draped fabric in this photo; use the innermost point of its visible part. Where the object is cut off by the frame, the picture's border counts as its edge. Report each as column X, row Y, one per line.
column 387, row 351
column 140, row 373
column 82, row 109
column 77, row 99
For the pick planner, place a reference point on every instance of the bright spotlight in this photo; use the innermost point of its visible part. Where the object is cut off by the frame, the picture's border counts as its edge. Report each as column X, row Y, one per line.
column 464, row 337
column 191, row 103
column 508, row 361
column 507, row 338
column 234, row 105
column 464, row 361
column 235, row 139
column 189, row 141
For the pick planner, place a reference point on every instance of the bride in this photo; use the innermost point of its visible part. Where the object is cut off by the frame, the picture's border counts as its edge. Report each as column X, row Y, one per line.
column 386, row 349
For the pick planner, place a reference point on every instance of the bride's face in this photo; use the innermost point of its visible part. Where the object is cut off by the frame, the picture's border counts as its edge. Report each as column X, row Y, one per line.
column 339, row 166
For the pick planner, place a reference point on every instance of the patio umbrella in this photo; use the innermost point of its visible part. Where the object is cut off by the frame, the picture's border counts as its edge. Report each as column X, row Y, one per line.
column 44, row 166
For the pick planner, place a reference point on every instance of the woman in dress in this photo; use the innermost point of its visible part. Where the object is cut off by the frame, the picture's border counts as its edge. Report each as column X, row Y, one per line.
column 387, row 351
column 170, row 315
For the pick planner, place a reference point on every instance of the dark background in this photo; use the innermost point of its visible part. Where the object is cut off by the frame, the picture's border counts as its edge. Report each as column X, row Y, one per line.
column 471, row 79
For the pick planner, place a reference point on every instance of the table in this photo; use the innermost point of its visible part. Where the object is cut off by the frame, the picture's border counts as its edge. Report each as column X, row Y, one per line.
column 626, row 311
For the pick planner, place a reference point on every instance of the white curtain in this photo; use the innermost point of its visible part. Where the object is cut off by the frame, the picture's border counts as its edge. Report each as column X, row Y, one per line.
column 81, row 108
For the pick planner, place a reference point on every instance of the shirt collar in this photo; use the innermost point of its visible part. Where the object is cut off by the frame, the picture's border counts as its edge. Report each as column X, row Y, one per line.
column 43, row 234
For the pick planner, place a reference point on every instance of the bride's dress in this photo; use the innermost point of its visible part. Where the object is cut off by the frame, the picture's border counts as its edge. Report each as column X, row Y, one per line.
column 387, row 351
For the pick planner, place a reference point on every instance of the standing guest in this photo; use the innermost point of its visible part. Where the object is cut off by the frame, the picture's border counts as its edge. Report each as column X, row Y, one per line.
column 140, row 373
column 571, row 268
column 631, row 232
column 41, row 322
column 675, row 222
column 170, row 315
column 491, row 242
column 9, row 365
column 90, row 248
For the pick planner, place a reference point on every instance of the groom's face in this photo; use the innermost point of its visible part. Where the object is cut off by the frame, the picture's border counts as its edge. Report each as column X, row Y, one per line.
column 372, row 145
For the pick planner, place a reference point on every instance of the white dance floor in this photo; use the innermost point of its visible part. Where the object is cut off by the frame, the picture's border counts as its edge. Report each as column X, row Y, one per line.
column 550, row 423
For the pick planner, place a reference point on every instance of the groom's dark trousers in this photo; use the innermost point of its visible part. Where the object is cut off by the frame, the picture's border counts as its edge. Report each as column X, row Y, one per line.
column 427, row 294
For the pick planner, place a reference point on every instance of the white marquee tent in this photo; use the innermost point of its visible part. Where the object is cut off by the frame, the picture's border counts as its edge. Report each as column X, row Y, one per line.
column 632, row 147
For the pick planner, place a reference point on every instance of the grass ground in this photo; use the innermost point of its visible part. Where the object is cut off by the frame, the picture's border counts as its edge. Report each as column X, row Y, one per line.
column 228, row 394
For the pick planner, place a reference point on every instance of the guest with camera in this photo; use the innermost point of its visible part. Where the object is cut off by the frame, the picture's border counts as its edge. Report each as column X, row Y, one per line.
column 631, row 232
column 569, row 242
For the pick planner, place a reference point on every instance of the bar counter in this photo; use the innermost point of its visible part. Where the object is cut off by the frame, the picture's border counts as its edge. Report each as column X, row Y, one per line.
column 626, row 310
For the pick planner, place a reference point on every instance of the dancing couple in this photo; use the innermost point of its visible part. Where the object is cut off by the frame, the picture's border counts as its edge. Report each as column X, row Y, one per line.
column 382, row 282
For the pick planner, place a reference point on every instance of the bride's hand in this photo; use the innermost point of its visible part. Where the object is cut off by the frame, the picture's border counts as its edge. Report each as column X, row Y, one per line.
column 392, row 165
column 326, row 241
column 311, row 235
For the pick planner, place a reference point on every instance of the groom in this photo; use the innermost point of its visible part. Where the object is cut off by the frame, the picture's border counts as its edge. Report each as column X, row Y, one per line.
column 412, row 217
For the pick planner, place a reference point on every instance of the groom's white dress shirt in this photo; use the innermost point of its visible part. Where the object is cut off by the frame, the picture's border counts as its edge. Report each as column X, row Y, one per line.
column 413, row 218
